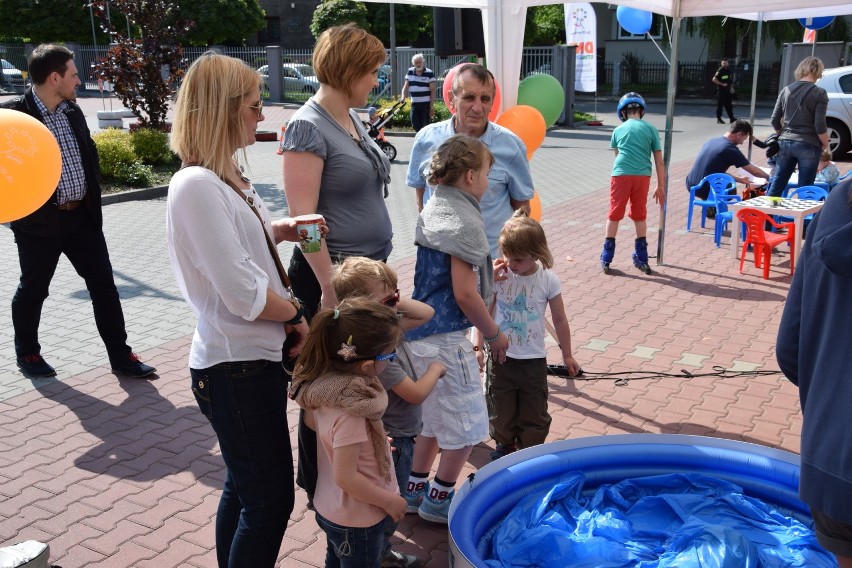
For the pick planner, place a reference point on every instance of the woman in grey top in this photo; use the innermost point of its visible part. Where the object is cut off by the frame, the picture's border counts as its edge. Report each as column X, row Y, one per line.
column 332, row 167
column 800, row 108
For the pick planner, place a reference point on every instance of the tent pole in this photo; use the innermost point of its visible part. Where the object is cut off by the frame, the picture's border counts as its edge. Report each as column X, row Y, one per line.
column 667, row 146
column 754, row 75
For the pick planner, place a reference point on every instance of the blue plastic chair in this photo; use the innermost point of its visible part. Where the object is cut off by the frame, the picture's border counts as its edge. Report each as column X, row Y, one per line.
column 806, row 192
column 723, row 217
column 720, row 184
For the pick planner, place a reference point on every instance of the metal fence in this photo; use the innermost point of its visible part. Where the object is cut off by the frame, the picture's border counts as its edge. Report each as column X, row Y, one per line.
column 694, row 78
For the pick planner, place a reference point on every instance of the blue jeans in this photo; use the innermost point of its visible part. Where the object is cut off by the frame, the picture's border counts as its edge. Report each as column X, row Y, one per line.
column 403, row 454
column 789, row 155
column 352, row 547
column 246, row 403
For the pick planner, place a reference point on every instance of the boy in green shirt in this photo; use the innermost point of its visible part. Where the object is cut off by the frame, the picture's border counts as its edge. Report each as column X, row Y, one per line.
column 634, row 143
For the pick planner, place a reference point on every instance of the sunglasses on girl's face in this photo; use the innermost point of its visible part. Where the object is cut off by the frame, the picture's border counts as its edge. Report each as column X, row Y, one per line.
column 386, row 357
column 392, row 300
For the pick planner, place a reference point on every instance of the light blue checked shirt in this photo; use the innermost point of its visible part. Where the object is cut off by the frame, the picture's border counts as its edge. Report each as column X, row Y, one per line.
column 72, row 182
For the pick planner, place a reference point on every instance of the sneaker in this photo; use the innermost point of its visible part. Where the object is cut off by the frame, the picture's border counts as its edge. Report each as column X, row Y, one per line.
column 395, row 559
column 34, row 365
column 414, row 495
column 435, row 510
column 133, row 367
column 502, row 450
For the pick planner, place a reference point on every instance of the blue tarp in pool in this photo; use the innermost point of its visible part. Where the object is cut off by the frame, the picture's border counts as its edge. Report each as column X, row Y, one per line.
column 663, row 521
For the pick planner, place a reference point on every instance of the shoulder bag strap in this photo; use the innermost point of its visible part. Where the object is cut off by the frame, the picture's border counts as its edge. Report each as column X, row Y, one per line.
column 269, row 244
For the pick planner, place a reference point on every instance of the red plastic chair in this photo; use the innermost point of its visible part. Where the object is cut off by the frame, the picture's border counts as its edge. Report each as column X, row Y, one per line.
column 764, row 241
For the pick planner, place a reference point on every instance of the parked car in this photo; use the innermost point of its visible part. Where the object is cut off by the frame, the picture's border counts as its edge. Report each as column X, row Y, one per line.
column 838, row 84
column 543, row 69
column 12, row 76
column 298, row 77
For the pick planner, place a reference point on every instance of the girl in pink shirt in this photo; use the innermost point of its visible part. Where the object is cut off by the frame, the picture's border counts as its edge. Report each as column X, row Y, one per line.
column 336, row 377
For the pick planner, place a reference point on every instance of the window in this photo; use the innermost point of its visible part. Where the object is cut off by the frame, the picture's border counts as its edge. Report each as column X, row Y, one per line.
column 658, row 26
column 294, row 24
column 272, row 33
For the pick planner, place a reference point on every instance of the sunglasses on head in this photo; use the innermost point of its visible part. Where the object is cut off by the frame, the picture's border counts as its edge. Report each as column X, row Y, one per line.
column 392, row 300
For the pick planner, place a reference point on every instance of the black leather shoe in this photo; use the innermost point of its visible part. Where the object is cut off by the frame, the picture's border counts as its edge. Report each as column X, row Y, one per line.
column 733, row 120
column 35, row 366
column 133, row 367
column 720, row 121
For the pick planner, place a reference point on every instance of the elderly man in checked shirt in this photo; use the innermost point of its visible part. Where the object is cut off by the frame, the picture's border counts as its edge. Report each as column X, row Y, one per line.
column 70, row 223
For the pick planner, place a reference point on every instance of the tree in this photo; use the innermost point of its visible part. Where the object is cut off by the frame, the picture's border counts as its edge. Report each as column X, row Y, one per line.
column 46, row 21
column 413, row 24
column 136, row 66
column 227, row 22
column 545, row 25
column 336, row 12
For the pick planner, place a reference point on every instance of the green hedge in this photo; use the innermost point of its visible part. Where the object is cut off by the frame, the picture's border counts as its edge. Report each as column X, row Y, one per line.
column 127, row 157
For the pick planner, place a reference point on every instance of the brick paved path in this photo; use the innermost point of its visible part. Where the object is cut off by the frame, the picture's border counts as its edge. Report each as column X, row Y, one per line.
column 121, row 473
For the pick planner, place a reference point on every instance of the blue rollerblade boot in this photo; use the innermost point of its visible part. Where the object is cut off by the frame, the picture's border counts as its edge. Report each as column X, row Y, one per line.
column 640, row 257
column 607, row 254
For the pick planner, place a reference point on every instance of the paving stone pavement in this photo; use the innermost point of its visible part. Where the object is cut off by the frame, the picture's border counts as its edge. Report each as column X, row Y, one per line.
column 119, row 472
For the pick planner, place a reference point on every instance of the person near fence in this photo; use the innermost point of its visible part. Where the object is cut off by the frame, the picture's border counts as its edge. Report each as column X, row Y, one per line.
column 510, row 185
column 812, row 350
column 724, row 81
column 799, row 120
column 331, row 166
column 719, row 154
column 70, row 223
column 420, row 84
column 220, row 238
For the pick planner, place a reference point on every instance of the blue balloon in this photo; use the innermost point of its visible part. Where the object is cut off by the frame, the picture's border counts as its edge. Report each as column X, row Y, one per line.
column 816, row 23
column 633, row 20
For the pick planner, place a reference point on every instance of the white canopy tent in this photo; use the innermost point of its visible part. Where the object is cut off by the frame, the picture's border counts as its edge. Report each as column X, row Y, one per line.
column 503, row 25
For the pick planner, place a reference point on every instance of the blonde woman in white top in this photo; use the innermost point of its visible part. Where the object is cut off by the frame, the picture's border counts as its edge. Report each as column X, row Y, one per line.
column 228, row 276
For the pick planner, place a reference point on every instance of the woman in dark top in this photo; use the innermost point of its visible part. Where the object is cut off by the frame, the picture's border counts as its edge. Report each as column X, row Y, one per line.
column 800, row 108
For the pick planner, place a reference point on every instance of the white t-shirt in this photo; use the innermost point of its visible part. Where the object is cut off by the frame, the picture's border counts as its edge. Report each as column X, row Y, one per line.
column 521, row 308
column 223, row 267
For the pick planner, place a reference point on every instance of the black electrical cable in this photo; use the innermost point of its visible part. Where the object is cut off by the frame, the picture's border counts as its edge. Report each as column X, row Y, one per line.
column 622, row 378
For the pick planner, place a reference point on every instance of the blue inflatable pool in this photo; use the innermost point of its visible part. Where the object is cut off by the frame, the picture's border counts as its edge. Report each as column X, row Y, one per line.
column 769, row 475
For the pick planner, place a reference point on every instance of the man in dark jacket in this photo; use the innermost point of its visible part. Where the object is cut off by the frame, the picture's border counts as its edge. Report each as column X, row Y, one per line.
column 70, row 223
column 724, row 82
column 813, row 353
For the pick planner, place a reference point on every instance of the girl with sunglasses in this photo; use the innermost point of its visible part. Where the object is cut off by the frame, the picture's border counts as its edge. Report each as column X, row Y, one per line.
column 403, row 419
column 336, row 378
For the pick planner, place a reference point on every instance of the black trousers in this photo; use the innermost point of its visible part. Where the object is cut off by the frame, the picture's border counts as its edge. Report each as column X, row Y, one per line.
column 419, row 115
column 83, row 244
column 723, row 99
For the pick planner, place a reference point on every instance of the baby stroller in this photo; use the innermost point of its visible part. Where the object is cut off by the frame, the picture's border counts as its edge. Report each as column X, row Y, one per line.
column 377, row 132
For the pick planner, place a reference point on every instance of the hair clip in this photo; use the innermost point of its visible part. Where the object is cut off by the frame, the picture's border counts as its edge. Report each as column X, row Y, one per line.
column 337, row 315
column 347, row 350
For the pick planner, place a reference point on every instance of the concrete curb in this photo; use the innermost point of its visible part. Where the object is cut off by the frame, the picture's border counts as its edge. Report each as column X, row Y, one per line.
column 135, row 194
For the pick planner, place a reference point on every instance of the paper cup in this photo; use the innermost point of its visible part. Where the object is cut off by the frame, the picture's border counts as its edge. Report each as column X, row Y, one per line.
column 308, row 229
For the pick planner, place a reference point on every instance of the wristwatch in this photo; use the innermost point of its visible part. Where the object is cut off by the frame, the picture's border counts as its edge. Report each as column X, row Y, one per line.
column 300, row 312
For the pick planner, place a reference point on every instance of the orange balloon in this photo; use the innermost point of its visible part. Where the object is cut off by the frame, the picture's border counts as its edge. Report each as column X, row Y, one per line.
column 30, row 165
column 535, row 207
column 447, row 92
column 527, row 123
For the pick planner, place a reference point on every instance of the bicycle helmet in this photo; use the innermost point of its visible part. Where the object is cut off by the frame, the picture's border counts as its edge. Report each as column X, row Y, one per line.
column 630, row 101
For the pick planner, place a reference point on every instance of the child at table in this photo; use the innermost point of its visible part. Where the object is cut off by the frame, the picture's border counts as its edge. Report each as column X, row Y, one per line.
column 827, row 171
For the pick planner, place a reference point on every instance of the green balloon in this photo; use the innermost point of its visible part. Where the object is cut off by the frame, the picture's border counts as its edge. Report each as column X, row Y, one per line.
column 544, row 93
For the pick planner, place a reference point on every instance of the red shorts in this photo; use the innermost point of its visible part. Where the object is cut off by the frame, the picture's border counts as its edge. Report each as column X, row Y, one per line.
column 628, row 188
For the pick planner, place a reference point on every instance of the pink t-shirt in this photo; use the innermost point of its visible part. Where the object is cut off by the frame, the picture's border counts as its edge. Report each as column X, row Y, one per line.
column 336, row 429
